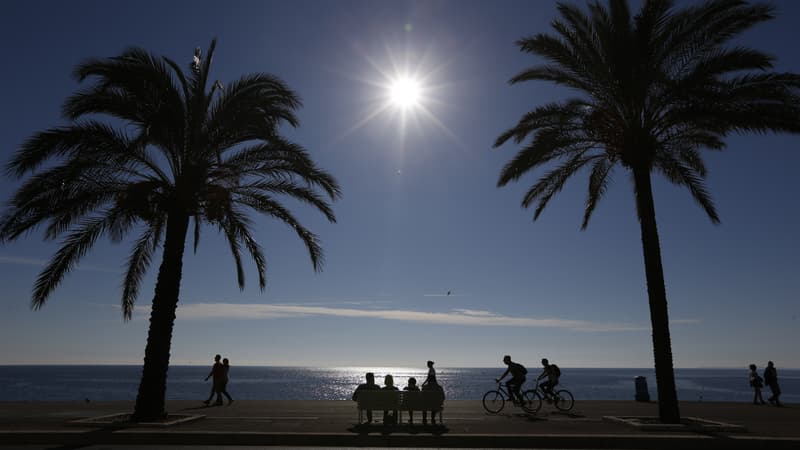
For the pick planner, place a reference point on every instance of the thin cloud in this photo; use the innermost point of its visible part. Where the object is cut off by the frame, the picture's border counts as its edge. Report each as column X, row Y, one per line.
column 685, row 321
column 22, row 261
column 463, row 317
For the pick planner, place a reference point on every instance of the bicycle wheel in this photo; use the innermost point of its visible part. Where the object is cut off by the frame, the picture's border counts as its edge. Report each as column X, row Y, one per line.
column 531, row 401
column 564, row 400
column 493, row 402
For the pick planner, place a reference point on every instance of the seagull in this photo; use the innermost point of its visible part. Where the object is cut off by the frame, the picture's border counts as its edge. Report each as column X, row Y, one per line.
column 196, row 58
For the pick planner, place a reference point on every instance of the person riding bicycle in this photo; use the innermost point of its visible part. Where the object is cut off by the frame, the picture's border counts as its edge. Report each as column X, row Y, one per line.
column 552, row 373
column 517, row 372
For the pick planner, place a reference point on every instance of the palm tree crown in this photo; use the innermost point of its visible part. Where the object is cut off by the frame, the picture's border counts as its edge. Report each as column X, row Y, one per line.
column 211, row 154
column 654, row 90
column 657, row 89
column 173, row 151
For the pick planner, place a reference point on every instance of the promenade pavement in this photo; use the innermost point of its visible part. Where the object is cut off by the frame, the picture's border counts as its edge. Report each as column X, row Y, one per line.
column 466, row 424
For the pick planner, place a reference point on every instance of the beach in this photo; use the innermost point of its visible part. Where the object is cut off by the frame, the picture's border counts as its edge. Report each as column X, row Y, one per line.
column 466, row 424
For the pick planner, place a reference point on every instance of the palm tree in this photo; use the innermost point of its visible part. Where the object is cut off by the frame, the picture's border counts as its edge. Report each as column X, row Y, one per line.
column 175, row 151
column 653, row 91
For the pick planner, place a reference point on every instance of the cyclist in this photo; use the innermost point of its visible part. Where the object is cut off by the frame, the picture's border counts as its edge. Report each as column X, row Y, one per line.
column 517, row 372
column 552, row 373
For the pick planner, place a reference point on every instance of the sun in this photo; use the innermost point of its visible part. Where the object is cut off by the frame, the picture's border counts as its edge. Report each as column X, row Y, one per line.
column 405, row 92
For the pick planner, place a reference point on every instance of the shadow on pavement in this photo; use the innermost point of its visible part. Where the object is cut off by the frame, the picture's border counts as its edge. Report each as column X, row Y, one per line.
column 366, row 428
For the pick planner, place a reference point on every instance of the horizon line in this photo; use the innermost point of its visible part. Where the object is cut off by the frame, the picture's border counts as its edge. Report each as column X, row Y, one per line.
column 743, row 367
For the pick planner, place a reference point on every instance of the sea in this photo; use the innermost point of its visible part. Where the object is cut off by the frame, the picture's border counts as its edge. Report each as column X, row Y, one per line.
column 106, row 382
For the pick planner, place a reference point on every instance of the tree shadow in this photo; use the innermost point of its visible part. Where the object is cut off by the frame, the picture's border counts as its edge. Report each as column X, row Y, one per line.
column 367, row 428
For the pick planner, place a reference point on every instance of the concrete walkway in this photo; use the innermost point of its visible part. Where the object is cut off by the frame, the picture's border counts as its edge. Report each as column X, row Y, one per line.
column 466, row 424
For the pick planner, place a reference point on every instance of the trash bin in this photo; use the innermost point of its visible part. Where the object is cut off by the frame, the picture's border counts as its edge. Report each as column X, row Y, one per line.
column 642, row 395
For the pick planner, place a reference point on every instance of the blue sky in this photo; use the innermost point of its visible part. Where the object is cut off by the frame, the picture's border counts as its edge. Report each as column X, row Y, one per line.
column 420, row 215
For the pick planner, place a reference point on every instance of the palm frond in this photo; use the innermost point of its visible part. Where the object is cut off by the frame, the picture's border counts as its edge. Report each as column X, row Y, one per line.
column 73, row 248
column 237, row 228
column 280, row 159
column 553, row 182
column 251, row 108
column 138, row 263
column 134, row 75
column 550, row 115
column 196, row 233
column 266, row 205
column 229, row 226
column 286, row 187
column 552, row 73
column 598, row 183
column 547, row 145
column 681, row 174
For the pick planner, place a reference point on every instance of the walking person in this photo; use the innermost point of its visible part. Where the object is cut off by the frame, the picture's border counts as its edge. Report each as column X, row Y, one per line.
column 439, row 391
column 216, row 375
column 757, row 383
column 431, row 375
column 223, row 385
column 771, row 380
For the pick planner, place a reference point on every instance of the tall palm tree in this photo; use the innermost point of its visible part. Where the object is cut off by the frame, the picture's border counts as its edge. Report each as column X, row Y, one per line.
column 175, row 152
column 653, row 91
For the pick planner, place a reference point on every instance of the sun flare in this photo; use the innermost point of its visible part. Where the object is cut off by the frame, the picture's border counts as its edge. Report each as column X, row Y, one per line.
column 405, row 92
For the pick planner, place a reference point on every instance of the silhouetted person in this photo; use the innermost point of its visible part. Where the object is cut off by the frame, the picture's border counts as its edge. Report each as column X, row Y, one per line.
column 431, row 375
column 368, row 386
column 216, row 375
column 389, row 417
column 412, row 387
column 771, row 380
column 518, row 372
column 552, row 373
column 757, row 383
column 223, row 385
column 436, row 388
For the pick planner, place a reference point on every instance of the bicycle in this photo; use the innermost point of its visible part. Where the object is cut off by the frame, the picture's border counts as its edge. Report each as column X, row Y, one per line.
column 562, row 399
column 495, row 400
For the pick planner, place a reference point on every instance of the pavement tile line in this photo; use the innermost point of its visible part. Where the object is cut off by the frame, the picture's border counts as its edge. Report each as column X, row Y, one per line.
column 109, row 420
column 690, row 424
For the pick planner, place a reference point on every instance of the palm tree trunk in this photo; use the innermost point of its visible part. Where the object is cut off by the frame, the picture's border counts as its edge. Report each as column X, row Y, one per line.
column 153, row 387
column 662, row 348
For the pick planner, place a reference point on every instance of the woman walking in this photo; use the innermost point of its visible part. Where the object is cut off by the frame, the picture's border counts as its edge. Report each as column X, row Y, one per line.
column 757, row 383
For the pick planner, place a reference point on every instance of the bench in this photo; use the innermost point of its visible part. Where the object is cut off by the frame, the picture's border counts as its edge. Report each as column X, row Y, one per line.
column 399, row 401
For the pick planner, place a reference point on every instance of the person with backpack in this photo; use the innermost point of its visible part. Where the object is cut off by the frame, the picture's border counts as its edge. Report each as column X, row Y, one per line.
column 552, row 373
column 518, row 372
